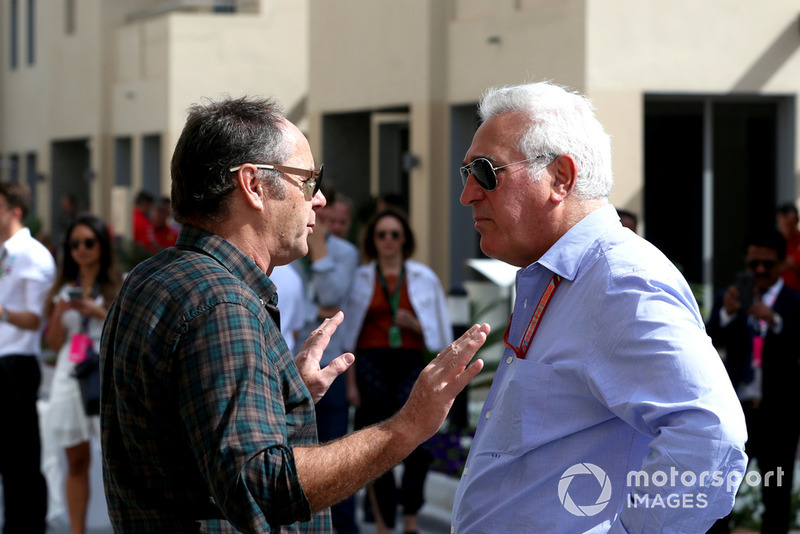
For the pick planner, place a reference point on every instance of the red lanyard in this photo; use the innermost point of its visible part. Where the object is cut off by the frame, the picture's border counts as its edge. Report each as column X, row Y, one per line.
column 536, row 318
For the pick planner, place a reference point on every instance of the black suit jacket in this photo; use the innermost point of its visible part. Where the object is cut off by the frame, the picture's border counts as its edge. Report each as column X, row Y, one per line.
column 780, row 357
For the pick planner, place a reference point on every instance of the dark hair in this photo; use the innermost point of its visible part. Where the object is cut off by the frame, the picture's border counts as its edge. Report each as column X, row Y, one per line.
column 143, row 197
column 626, row 213
column 18, row 195
column 768, row 238
column 786, row 209
column 108, row 277
column 370, row 251
column 217, row 136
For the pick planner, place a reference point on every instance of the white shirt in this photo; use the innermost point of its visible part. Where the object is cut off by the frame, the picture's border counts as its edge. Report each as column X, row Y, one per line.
column 290, row 302
column 27, row 271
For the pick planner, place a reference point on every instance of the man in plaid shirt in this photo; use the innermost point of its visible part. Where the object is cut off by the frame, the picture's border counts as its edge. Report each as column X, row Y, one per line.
column 208, row 423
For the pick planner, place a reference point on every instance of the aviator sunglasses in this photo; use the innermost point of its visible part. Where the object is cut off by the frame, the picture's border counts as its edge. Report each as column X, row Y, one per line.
column 484, row 172
column 310, row 185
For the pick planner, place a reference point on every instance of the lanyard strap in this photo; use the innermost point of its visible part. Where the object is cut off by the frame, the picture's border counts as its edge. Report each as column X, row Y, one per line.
column 394, row 299
column 536, row 318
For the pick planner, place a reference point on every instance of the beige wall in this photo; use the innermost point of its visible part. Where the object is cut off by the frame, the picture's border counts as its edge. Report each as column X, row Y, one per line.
column 511, row 41
column 123, row 76
column 713, row 47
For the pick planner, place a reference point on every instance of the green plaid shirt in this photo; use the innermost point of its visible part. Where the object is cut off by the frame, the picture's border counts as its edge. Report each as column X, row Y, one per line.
column 201, row 399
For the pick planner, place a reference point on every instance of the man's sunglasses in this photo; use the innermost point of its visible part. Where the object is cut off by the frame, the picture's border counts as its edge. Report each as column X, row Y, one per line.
column 310, row 185
column 484, row 172
column 768, row 264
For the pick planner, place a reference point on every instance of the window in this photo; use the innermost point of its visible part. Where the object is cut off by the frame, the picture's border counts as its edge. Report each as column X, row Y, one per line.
column 122, row 161
column 13, row 168
column 69, row 17
column 31, row 32
column 12, row 48
column 31, row 175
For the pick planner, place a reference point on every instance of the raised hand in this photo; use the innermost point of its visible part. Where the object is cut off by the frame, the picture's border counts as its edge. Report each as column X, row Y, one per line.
column 317, row 379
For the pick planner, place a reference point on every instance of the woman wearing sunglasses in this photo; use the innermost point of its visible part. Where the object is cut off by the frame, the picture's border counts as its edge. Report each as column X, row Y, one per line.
column 86, row 284
column 396, row 311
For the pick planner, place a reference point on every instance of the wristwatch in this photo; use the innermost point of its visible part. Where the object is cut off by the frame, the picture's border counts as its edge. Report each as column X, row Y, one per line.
column 4, row 315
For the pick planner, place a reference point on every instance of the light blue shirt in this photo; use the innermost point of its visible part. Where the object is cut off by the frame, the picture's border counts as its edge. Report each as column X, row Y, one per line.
column 620, row 387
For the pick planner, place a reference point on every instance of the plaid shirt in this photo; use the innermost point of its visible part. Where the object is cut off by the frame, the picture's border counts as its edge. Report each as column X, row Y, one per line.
column 201, row 399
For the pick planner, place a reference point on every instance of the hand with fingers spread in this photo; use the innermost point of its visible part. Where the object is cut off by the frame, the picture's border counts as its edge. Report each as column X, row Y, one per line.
column 332, row 470
column 440, row 382
column 317, row 379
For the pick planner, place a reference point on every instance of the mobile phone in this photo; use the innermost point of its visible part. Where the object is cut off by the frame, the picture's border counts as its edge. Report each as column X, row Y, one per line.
column 75, row 294
column 746, row 287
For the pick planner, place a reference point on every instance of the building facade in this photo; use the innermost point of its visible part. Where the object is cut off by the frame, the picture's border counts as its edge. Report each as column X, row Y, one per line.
column 699, row 97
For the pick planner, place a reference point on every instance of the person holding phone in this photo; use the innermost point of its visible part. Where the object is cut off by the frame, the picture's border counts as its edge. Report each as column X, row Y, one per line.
column 757, row 323
column 86, row 283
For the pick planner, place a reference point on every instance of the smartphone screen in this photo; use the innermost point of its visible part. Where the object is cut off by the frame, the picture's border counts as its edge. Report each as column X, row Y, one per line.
column 744, row 283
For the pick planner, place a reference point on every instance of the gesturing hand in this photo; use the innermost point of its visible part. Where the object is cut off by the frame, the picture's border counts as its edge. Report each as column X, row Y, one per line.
column 318, row 380
column 440, row 382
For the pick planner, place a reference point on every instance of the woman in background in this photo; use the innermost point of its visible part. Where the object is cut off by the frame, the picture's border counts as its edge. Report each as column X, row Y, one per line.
column 397, row 310
column 86, row 284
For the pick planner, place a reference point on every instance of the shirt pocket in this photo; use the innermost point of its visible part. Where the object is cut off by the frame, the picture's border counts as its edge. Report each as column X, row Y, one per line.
column 520, row 411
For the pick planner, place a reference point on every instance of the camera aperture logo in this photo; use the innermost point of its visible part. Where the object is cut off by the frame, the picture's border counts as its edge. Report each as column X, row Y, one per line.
column 583, row 510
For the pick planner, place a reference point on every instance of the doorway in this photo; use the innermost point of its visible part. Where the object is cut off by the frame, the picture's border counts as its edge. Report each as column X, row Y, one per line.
column 715, row 169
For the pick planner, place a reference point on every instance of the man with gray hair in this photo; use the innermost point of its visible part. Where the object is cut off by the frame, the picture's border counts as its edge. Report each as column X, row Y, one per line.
column 611, row 410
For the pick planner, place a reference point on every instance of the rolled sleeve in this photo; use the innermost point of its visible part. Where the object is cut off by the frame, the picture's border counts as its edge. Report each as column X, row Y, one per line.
column 234, row 382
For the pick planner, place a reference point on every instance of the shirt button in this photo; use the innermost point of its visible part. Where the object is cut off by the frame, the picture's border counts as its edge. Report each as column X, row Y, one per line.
column 466, row 471
column 452, row 529
column 488, row 414
column 509, row 360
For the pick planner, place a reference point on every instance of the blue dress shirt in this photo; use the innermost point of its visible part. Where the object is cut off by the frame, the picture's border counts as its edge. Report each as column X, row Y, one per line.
column 621, row 418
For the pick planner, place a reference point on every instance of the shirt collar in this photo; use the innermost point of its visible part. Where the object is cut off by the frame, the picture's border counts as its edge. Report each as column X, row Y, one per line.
column 230, row 257
column 22, row 235
column 771, row 294
column 565, row 256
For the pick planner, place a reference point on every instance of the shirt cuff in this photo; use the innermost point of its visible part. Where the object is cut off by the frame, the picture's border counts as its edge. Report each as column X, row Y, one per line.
column 725, row 318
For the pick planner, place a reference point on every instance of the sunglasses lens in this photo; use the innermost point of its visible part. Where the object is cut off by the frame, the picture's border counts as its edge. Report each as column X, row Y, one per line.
column 483, row 172
column 768, row 264
column 87, row 243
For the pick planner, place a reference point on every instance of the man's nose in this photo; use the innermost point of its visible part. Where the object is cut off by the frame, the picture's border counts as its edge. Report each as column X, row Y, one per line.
column 471, row 192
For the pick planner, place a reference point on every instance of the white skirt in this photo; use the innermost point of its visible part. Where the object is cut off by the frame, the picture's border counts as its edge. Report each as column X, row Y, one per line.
column 68, row 423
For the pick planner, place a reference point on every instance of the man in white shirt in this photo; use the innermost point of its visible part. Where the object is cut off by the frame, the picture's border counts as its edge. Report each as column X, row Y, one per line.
column 27, row 270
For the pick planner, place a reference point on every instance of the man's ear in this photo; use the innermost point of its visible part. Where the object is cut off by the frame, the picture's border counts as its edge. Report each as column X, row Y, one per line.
column 565, row 174
column 250, row 185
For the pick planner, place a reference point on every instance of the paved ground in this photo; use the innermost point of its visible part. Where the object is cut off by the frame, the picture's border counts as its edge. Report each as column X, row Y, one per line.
column 428, row 525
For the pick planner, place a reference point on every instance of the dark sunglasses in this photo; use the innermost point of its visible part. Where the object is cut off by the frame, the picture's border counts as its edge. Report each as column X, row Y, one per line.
column 310, row 186
column 88, row 243
column 768, row 264
column 484, row 172
column 394, row 234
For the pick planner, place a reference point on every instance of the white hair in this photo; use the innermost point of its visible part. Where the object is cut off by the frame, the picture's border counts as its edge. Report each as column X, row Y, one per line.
column 560, row 122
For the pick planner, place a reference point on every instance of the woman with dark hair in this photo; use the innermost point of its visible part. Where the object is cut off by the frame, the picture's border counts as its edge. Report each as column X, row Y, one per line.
column 397, row 309
column 86, row 284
